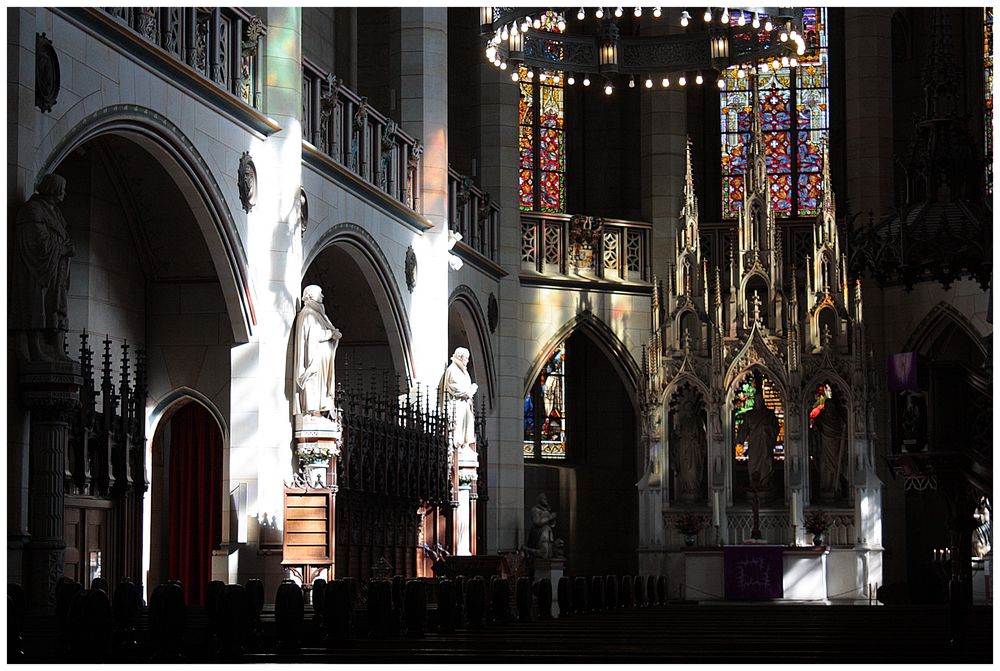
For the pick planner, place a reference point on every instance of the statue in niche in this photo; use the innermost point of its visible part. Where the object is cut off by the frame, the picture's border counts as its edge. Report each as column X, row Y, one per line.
column 316, row 341
column 689, row 446
column 541, row 541
column 759, row 431
column 41, row 275
column 830, row 437
column 459, row 390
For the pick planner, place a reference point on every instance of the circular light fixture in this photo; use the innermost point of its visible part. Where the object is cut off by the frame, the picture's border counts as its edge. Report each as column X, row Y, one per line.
column 725, row 15
column 768, row 26
column 666, row 82
column 608, row 89
column 586, row 80
column 503, row 65
column 542, row 77
column 740, row 74
column 561, row 24
column 657, row 12
column 525, row 25
column 599, row 13
column 649, row 83
column 618, row 12
column 581, row 15
column 638, row 12
column 793, row 62
column 631, row 82
column 536, row 24
column 756, row 21
column 721, row 83
column 708, row 15
column 742, row 21
column 783, row 36
column 531, row 74
column 699, row 79
column 570, row 79
column 685, row 18
column 503, row 33
column 784, row 61
column 682, row 80
column 514, row 76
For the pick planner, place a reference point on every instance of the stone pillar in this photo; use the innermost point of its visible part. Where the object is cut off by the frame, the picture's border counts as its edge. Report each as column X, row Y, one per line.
column 419, row 57
column 51, row 391
column 498, row 161
column 868, row 102
column 260, row 424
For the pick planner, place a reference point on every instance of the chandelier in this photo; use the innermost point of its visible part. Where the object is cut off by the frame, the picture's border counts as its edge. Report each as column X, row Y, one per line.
column 539, row 38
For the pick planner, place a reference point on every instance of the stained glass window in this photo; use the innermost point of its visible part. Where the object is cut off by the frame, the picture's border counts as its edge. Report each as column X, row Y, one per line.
column 819, row 402
column 988, row 94
column 545, row 410
column 794, row 121
column 743, row 402
column 542, row 135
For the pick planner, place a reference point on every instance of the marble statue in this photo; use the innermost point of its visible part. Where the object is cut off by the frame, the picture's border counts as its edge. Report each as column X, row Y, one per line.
column 543, row 520
column 459, row 390
column 760, row 429
column 831, row 433
column 316, row 340
column 689, row 451
column 41, row 274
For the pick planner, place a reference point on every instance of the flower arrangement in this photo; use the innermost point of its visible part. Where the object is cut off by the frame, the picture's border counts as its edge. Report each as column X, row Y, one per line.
column 689, row 524
column 816, row 522
column 313, row 454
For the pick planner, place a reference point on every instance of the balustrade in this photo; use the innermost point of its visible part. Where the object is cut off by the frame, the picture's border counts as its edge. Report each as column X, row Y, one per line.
column 581, row 247
column 473, row 214
column 343, row 126
column 221, row 43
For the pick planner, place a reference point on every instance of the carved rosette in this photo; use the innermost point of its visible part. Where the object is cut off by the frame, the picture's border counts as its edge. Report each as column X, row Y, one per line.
column 47, row 79
column 411, row 269
column 247, row 182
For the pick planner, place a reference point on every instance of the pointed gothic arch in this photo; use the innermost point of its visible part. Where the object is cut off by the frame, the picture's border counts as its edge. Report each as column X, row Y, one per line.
column 938, row 320
column 464, row 300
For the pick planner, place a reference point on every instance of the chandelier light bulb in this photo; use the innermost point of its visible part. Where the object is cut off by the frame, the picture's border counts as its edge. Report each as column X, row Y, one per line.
column 531, row 74
column 783, row 36
column 742, row 21
column 536, row 24
column 756, row 21
column 638, row 12
column 768, row 26
column 740, row 74
column 608, row 89
column 764, row 68
column 581, row 15
column 708, row 15
column 503, row 65
column 514, row 76
column 649, row 83
column 525, row 25
column 775, row 64
column 784, row 61
column 793, row 62
column 721, row 83
column 542, row 77
column 618, row 12
column 725, row 15
column 657, row 12
column 570, row 79
column 685, row 18
column 631, row 83
column 561, row 24
column 665, row 82
column 599, row 13
column 801, row 49
column 503, row 33
column 586, row 80
column 682, row 81
column 699, row 80
column 794, row 35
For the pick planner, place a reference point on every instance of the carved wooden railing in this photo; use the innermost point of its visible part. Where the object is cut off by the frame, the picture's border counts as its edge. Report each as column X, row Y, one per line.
column 589, row 248
column 342, row 125
column 223, row 44
column 474, row 214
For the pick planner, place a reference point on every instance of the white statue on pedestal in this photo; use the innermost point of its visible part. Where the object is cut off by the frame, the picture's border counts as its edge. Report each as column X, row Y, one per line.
column 459, row 390
column 316, row 340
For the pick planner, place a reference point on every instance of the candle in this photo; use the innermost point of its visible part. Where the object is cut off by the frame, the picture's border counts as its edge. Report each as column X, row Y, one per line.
column 715, row 508
column 795, row 509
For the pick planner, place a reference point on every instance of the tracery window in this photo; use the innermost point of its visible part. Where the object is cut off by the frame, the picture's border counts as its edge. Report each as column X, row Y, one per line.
column 794, row 121
column 542, row 135
column 988, row 94
column 545, row 410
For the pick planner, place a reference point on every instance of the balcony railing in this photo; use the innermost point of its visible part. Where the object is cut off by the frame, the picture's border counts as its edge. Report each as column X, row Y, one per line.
column 474, row 214
column 581, row 247
column 342, row 125
column 221, row 43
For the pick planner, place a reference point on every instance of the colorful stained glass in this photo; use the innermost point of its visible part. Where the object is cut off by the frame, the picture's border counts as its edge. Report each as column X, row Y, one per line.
column 545, row 410
column 541, row 141
column 553, row 192
column 819, row 402
column 552, row 156
column 744, row 400
column 791, row 99
column 527, row 189
column 988, row 95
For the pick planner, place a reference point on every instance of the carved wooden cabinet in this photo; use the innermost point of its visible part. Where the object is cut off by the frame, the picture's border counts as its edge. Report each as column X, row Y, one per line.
column 309, row 532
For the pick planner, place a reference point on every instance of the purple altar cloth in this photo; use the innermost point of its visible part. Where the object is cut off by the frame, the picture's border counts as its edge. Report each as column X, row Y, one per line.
column 753, row 572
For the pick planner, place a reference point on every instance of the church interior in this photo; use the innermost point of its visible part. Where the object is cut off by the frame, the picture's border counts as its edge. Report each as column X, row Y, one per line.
column 576, row 334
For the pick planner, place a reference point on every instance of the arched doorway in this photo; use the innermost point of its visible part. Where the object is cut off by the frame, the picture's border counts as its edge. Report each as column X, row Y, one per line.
column 580, row 448
column 757, row 413
column 151, row 273
column 186, row 498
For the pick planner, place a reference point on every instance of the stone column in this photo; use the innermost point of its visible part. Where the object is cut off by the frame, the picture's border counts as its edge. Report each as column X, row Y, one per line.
column 868, row 102
column 260, row 423
column 498, row 161
column 419, row 57
column 51, row 391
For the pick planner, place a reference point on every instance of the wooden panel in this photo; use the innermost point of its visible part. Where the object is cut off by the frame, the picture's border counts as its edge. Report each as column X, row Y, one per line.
column 305, row 553
column 306, row 500
column 307, row 526
column 305, row 513
column 307, row 539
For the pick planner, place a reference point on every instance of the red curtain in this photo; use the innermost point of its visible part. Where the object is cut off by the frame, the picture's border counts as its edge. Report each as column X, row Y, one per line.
column 195, row 504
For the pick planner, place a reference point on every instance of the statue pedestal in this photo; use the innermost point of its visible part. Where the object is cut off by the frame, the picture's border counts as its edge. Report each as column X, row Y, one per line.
column 468, row 473
column 311, row 432
column 553, row 570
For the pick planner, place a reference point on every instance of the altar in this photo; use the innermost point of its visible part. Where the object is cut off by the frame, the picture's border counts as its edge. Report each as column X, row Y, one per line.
column 755, row 572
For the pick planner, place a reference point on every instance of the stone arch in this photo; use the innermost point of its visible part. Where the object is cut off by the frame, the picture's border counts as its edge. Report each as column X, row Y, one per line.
column 168, row 145
column 605, row 339
column 938, row 320
column 471, row 312
column 688, row 318
column 366, row 252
